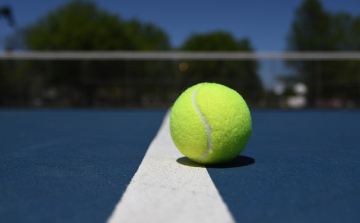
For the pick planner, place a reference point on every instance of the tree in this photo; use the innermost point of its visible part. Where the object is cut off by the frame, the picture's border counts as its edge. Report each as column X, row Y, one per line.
column 311, row 28
column 6, row 12
column 355, row 32
column 147, row 36
column 315, row 29
column 82, row 26
column 239, row 75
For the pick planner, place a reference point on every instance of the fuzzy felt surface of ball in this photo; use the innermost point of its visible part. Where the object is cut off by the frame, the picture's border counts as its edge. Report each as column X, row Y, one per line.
column 210, row 123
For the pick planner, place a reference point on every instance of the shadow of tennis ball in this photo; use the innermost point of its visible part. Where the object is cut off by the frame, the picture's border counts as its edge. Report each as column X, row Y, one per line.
column 239, row 161
column 187, row 162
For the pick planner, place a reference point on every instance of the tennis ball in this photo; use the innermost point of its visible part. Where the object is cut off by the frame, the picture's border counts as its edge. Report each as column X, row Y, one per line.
column 210, row 123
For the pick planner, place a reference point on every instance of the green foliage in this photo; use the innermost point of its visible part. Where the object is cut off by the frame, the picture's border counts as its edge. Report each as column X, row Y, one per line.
column 147, row 36
column 315, row 29
column 311, row 28
column 239, row 75
column 81, row 25
column 215, row 41
column 355, row 32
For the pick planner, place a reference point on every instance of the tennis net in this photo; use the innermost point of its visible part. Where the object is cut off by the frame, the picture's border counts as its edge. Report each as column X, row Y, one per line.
column 155, row 79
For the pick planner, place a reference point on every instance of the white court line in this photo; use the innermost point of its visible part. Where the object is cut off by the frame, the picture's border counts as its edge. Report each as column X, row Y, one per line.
column 163, row 190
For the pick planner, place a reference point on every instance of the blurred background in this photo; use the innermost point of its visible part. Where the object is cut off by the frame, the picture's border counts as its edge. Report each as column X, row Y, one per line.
column 330, row 79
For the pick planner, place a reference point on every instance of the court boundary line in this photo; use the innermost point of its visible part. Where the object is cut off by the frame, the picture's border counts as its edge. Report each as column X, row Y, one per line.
column 164, row 190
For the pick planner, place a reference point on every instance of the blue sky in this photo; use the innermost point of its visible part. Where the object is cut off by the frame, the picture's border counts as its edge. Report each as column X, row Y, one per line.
column 265, row 22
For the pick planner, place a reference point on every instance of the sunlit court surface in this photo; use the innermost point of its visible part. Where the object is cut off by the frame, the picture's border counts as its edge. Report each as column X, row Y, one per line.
column 106, row 118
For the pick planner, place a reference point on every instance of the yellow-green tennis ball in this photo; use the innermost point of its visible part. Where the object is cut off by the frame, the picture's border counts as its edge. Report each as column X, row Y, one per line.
column 210, row 123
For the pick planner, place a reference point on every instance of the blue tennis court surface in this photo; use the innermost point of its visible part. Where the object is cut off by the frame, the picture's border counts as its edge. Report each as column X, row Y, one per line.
column 307, row 169
column 74, row 165
column 69, row 166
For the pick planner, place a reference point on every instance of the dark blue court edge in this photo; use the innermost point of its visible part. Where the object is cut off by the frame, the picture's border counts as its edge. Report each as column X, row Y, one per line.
column 69, row 166
column 299, row 166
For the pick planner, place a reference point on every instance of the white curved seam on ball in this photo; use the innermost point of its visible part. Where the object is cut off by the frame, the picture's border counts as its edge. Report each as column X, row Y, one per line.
column 207, row 126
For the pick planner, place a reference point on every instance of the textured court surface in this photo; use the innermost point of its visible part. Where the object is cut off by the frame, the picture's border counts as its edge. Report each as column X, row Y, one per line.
column 74, row 165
